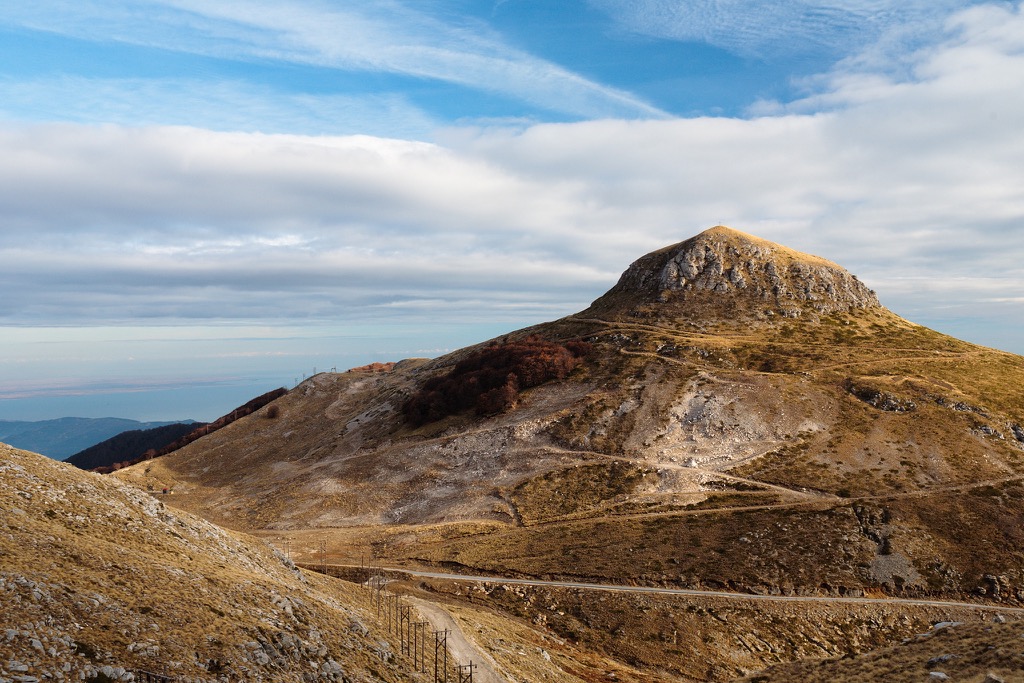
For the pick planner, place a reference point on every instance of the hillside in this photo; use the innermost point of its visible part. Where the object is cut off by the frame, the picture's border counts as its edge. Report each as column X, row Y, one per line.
column 983, row 652
column 102, row 582
column 65, row 436
column 745, row 418
column 96, row 574
column 130, row 445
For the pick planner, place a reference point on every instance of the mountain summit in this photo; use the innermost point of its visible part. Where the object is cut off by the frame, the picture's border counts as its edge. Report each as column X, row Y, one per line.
column 724, row 272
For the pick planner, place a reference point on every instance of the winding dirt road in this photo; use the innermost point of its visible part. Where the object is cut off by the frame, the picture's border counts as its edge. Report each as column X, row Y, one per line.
column 462, row 648
column 443, row 576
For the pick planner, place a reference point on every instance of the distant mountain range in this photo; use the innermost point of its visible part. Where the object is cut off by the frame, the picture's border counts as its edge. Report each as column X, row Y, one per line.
column 65, row 436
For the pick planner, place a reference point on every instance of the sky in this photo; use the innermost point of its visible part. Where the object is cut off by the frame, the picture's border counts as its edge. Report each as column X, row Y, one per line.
column 204, row 200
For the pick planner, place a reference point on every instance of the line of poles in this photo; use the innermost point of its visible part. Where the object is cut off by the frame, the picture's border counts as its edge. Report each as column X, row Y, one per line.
column 415, row 638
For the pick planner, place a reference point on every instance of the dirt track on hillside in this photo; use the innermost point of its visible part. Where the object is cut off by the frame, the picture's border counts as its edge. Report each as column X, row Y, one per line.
column 442, row 576
column 462, row 648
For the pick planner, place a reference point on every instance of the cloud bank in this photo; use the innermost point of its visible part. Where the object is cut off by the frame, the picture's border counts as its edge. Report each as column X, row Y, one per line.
column 911, row 181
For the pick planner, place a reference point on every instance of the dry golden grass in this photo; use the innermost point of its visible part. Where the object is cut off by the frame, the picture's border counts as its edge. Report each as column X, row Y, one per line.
column 616, row 523
column 587, row 518
column 581, row 489
column 99, row 574
column 970, row 652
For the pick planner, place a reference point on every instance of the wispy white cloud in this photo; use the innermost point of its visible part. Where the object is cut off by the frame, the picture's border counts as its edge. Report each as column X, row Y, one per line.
column 114, row 223
column 774, row 28
column 386, row 36
column 216, row 105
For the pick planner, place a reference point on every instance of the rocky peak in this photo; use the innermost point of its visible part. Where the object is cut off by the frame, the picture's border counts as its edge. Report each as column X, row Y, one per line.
column 726, row 269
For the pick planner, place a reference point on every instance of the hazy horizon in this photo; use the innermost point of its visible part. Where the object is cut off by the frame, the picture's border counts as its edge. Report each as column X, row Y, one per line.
column 164, row 397
column 148, row 377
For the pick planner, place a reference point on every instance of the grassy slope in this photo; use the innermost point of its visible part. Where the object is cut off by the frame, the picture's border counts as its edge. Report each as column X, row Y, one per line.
column 102, row 574
column 972, row 653
column 897, row 505
column 684, row 638
column 902, row 465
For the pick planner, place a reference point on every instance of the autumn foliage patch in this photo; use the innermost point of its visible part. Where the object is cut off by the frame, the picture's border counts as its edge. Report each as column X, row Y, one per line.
column 490, row 379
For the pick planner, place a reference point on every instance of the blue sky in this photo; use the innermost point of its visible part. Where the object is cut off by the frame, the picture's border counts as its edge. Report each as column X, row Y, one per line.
column 200, row 201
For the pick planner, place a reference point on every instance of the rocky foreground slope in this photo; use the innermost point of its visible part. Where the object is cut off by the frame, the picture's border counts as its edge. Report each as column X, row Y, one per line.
column 98, row 579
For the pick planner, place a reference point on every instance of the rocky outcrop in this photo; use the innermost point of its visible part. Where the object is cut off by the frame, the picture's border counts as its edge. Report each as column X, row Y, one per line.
column 722, row 261
column 883, row 400
column 1018, row 431
column 722, row 265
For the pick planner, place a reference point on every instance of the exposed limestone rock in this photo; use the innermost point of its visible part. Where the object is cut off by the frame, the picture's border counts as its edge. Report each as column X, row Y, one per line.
column 718, row 423
column 721, row 260
column 730, row 265
column 883, row 400
column 1018, row 432
column 896, row 572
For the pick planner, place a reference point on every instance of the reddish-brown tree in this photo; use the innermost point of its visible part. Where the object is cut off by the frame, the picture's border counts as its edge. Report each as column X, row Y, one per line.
column 491, row 378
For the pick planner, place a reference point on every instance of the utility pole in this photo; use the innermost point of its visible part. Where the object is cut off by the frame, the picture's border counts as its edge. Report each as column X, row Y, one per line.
column 419, row 641
column 441, row 652
column 404, row 623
